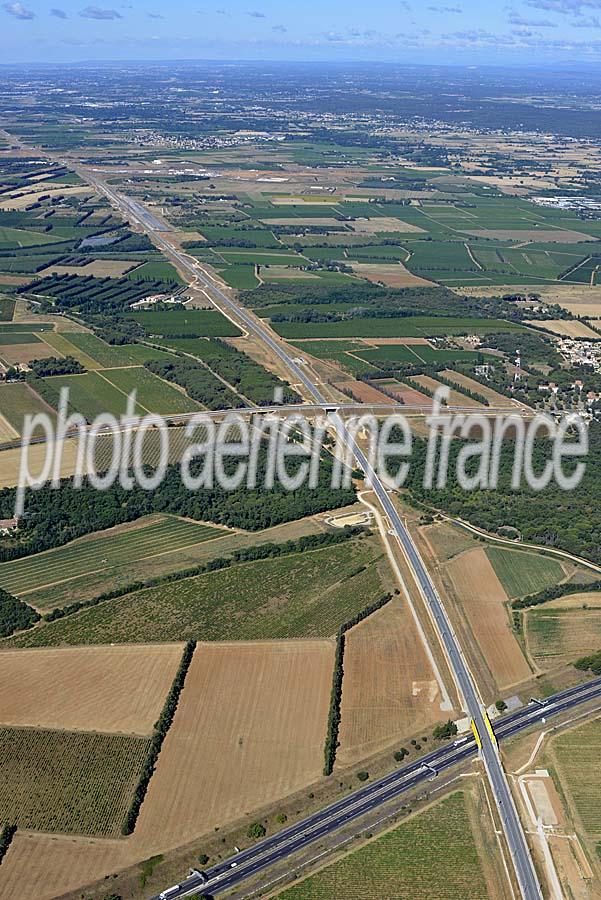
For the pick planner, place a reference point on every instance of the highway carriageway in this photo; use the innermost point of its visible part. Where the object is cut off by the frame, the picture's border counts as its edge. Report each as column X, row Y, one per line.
column 229, row 873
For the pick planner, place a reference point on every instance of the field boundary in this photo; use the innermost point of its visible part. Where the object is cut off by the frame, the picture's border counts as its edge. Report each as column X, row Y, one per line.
column 162, row 727
column 332, row 743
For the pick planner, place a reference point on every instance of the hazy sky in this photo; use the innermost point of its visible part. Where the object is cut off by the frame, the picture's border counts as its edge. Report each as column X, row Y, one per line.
column 474, row 31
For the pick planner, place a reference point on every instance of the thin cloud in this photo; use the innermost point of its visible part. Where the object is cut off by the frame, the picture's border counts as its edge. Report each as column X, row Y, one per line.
column 58, row 13
column 517, row 19
column 445, row 9
column 564, row 7
column 152, row 15
column 256, row 15
column 18, row 11
column 281, row 29
column 98, row 12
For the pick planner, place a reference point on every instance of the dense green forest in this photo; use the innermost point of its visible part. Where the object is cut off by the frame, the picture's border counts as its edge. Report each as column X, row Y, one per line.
column 570, row 520
column 53, row 517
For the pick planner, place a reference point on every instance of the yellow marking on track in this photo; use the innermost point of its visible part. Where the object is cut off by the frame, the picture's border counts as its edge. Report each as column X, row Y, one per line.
column 476, row 734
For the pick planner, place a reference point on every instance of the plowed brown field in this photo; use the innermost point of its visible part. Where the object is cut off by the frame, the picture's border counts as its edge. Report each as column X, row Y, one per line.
column 110, row 689
column 389, row 690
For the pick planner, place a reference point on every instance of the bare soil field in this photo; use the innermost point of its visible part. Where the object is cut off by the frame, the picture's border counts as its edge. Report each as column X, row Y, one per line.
column 14, row 279
column 456, row 398
column 405, row 394
column 389, row 690
column 22, row 354
column 99, row 268
column 44, row 866
column 108, row 689
column 7, row 432
column 471, row 384
column 483, row 600
column 383, row 224
column 566, row 328
column 25, row 199
column 395, row 275
column 303, row 220
column 363, row 393
column 250, row 728
column 10, row 462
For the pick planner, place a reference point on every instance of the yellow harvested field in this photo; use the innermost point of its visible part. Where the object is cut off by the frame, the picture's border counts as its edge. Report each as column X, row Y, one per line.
column 481, row 595
column 591, row 600
column 99, row 268
column 11, row 201
column 561, row 636
column 389, row 690
column 14, row 279
column 381, row 224
column 471, row 384
column 7, row 432
column 566, row 328
column 118, row 689
column 456, row 398
column 10, row 462
column 392, row 275
column 44, row 866
column 249, row 728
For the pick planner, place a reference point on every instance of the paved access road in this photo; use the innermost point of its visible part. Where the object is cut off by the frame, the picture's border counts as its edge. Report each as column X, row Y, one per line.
column 233, row 871
column 514, row 833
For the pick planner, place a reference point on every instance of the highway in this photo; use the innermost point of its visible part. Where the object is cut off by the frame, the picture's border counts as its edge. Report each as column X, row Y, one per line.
column 466, row 686
column 232, row 871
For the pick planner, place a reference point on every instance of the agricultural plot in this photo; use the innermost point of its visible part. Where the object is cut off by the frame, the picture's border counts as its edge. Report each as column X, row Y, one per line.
column 118, row 689
column 102, row 355
column 89, row 394
column 102, row 551
column 482, row 598
column 155, row 270
column 559, row 636
column 14, row 238
column 302, row 595
column 413, row 326
column 524, row 573
column 240, row 276
column 389, row 689
column 7, row 308
column 189, row 322
column 448, row 541
column 576, row 755
column 435, row 854
column 249, row 729
column 16, row 401
column 153, row 394
column 69, row 782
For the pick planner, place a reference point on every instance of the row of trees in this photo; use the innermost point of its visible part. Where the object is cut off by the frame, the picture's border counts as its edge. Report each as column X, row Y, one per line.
column 332, row 743
column 156, row 742
column 15, row 615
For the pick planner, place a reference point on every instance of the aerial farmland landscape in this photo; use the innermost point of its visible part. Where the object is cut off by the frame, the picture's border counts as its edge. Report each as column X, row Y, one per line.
column 300, row 452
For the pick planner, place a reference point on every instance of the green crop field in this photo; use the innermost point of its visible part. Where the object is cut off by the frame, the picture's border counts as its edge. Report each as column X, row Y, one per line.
column 7, row 309
column 201, row 322
column 89, row 394
column 153, row 394
column 16, row 401
column 68, row 782
column 102, row 551
column 159, row 269
column 577, row 753
column 301, row 595
column 110, row 356
column 409, row 326
column 524, row 573
column 433, row 855
column 10, row 329
column 18, row 337
column 18, row 237
column 240, row 276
